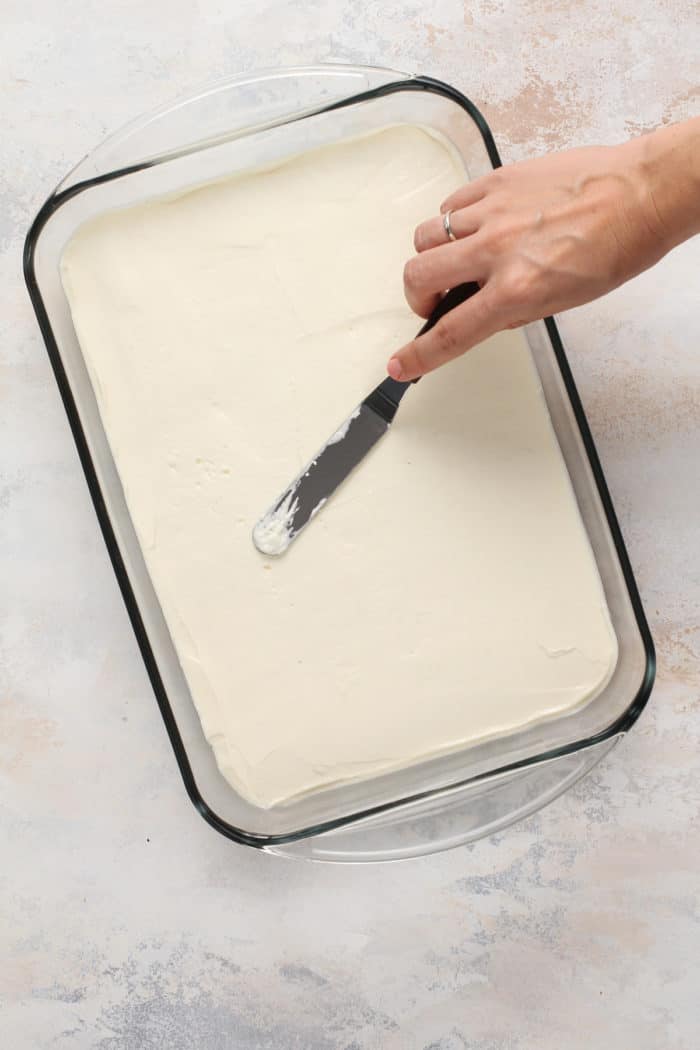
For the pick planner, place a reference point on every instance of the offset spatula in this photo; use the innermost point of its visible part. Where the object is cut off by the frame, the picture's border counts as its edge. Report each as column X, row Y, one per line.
column 347, row 447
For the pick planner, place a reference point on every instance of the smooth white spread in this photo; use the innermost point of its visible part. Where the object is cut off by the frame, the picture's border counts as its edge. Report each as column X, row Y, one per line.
column 448, row 592
column 273, row 533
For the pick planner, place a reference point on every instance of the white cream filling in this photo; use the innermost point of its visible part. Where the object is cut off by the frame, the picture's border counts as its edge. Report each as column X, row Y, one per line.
column 273, row 532
column 447, row 594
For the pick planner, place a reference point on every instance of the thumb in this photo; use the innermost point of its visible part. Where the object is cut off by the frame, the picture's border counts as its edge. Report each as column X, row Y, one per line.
column 454, row 334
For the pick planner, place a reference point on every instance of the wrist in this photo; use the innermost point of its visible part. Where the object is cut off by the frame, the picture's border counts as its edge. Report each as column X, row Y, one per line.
column 669, row 165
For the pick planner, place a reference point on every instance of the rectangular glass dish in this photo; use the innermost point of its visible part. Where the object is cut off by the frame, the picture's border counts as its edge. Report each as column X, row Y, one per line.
column 234, row 127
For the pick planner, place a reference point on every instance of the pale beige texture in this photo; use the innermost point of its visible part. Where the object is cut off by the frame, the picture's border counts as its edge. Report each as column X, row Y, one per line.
column 447, row 593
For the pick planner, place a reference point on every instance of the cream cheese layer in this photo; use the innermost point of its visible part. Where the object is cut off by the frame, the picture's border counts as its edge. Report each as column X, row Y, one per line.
column 447, row 593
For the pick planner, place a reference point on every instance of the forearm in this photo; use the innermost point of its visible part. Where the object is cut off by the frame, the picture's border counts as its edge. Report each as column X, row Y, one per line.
column 671, row 166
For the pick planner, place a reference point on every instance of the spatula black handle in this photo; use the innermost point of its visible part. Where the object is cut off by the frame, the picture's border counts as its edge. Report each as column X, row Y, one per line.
column 385, row 398
column 455, row 297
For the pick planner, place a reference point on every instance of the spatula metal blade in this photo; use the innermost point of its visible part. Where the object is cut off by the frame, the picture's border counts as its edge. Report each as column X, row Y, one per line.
column 301, row 500
column 295, row 508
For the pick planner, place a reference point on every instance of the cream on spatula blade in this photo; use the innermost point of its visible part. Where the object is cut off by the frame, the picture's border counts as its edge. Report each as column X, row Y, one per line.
column 343, row 451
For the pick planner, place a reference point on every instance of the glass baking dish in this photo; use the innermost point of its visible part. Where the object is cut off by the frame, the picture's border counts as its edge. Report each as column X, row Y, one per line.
column 236, row 125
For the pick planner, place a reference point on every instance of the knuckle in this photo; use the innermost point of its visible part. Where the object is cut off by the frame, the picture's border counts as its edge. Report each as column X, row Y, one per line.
column 417, row 360
column 446, row 340
column 498, row 213
column 496, row 234
column 519, row 285
column 409, row 275
column 413, row 274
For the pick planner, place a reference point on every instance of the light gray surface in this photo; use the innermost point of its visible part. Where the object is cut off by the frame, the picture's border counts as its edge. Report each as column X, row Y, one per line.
column 126, row 922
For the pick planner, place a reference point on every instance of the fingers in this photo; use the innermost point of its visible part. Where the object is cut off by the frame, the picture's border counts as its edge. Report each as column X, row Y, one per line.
column 426, row 276
column 432, row 233
column 458, row 331
column 470, row 193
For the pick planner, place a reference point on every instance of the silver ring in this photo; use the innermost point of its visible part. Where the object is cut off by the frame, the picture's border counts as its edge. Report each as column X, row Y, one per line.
column 448, row 226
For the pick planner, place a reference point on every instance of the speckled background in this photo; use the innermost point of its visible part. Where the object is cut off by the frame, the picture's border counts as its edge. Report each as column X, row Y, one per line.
column 125, row 921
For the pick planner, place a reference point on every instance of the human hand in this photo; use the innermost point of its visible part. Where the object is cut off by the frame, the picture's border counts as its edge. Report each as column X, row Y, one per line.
column 538, row 237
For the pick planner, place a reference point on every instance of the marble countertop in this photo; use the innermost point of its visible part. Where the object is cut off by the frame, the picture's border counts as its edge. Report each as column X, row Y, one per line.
column 126, row 923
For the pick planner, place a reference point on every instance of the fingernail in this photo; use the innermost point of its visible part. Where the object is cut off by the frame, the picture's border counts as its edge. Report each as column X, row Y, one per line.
column 394, row 368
